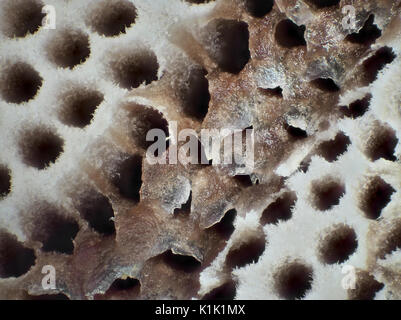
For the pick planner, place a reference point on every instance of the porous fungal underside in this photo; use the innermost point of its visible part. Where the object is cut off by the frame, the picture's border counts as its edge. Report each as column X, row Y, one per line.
column 77, row 193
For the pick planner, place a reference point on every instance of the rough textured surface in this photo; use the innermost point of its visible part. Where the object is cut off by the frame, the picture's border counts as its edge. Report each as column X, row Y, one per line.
column 76, row 190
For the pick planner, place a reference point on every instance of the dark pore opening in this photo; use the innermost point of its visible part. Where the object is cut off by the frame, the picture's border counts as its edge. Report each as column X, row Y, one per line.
column 230, row 47
column 332, row 149
column 392, row 241
column 377, row 62
column 294, row 132
column 40, row 147
column 79, row 106
column 125, row 288
column 61, row 233
column 125, row 284
column 279, row 210
column 382, row 144
column 366, row 287
column 22, row 17
column 180, row 262
column 289, row 35
column 246, row 253
column 225, row 227
column 15, row 258
column 58, row 296
column 327, row 194
column 112, row 18
column 54, row 229
column 338, row 245
column 226, row 291
column 185, row 207
column 358, row 108
column 258, row 8
column 97, row 210
column 130, row 70
column 367, row 35
column 145, row 119
column 69, row 48
column 128, row 178
column 325, row 84
column 244, row 180
column 195, row 94
column 293, row 280
column 5, row 181
column 375, row 196
column 274, row 92
column 19, row 83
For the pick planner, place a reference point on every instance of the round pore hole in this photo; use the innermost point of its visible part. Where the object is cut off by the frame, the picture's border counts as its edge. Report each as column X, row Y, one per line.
column 382, row 144
column 393, row 240
column 15, row 258
column 375, row 196
column 122, row 289
column 142, row 120
column 226, row 291
column 183, row 263
column 377, row 62
column 295, row 132
column 248, row 252
column 366, row 287
column 289, row 35
column 40, row 147
column 22, row 17
column 338, row 244
column 357, row 108
column 53, row 228
column 195, row 94
column 185, row 208
column 327, row 193
column 19, row 82
column 78, row 106
column 293, row 280
column 5, row 181
column 130, row 70
column 45, row 297
column 367, row 35
column 243, row 180
column 97, row 210
column 128, row 178
column 325, row 84
column 69, row 48
column 125, row 284
column 272, row 92
column 332, row 149
column 112, row 18
column 258, row 8
column 225, row 227
column 279, row 210
column 229, row 44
